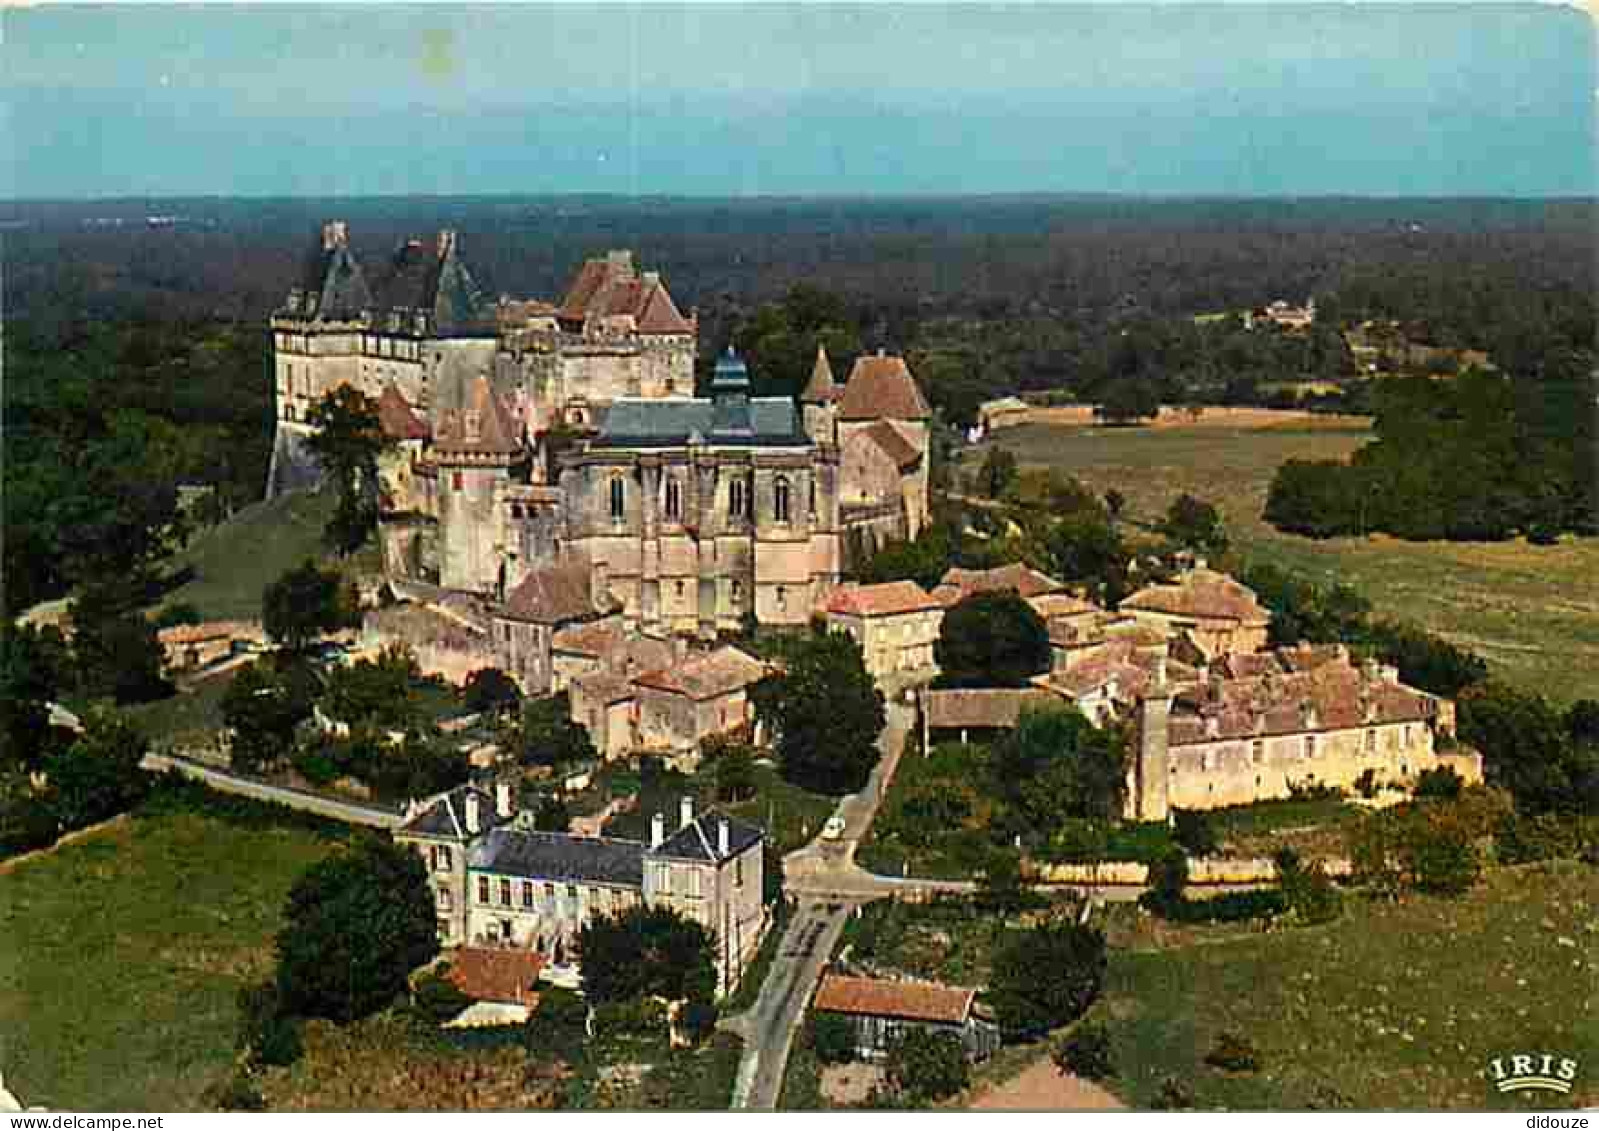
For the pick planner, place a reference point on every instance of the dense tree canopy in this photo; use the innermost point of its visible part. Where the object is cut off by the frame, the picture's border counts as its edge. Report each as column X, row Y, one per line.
column 99, row 775
column 348, row 442
column 1046, row 976
column 1194, row 524
column 306, row 603
column 545, row 735
column 827, row 714
column 261, row 708
column 646, row 951
column 355, row 926
column 1057, row 765
column 991, row 640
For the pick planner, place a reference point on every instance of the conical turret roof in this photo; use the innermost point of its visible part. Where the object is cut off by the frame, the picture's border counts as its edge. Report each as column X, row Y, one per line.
column 821, row 388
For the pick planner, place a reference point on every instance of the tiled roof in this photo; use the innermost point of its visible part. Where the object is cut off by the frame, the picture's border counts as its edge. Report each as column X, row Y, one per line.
column 1016, row 576
column 611, row 287
column 209, row 630
column 912, row 1001
column 560, row 857
column 1201, row 593
column 904, row 453
column 605, row 687
column 497, row 432
column 993, row 708
column 700, row 839
column 507, row 975
column 885, row 599
column 446, row 817
column 658, row 314
column 725, row 670
column 678, row 420
column 1049, row 605
column 1332, row 696
column 821, row 388
column 398, row 419
column 555, row 594
column 881, row 388
column 596, row 639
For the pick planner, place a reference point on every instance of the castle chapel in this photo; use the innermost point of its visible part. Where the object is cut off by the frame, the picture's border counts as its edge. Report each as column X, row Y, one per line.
column 539, row 442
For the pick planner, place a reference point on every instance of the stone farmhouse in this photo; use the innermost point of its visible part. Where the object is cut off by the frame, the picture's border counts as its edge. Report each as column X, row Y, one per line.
column 552, row 440
column 499, row 883
column 895, row 623
column 881, row 1011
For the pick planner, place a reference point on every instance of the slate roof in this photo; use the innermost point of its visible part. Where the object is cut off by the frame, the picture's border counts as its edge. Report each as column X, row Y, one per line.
column 887, row 599
column 994, row 708
column 433, row 278
column 555, row 594
column 398, row 419
column 716, row 673
column 333, row 281
column 912, row 1001
column 446, row 816
column 897, row 447
column 560, row 857
column 633, row 421
column 1201, row 593
column 821, row 388
column 507, row 975
column 700, row 839
column 498, row 433
column 881, row 388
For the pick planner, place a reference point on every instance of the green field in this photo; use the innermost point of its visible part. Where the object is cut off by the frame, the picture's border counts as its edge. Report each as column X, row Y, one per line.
column 1531, row 611
column 123, row 953
column 1392, row 1006
column 233, row 562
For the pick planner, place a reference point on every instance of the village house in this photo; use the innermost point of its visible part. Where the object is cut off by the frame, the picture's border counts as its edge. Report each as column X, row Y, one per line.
column 1300, row 717
column 188, row 648
column 1221, row 615
column 975, row 714
column 881, row 1011
column 957, row 584
column 895, row 623
column 497, row 882
column 681, row 705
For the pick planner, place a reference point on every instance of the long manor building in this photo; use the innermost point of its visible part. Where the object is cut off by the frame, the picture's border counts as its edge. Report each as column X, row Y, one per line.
column 535, row 436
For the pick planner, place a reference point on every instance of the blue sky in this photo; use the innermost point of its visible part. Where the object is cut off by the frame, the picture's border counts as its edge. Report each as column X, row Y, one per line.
column 724, row 100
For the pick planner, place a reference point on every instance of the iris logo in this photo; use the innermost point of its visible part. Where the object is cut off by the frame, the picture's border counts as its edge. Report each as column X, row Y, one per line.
column 1544, row 1072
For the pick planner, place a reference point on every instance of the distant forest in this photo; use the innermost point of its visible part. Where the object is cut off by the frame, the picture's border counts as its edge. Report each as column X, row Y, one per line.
column 136, row 352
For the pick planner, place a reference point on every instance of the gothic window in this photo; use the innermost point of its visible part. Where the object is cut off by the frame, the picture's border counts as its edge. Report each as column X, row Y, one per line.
column 674, row 498
column 780, row 505
column 738, row 499
column 618, row 499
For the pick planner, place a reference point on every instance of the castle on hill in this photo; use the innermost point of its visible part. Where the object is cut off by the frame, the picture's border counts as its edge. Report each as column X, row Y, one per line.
column 538, row 443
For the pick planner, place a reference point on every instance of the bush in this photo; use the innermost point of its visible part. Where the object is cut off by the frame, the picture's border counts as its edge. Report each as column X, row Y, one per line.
column 1306, row 888
column 927, row 1065
column 1229, row 907
column 1086, row 1051
column 239, row 1094
column 1168, row 876
column 832, row 1038
column 1523, row 839
column 1441, row 781
column 278, row 1043
column 697, row 1020
column 1233, row 1053
column 436, row 998
column 640, row 1017
column 1194, row 832
column 1176, row 1094
column 1366, row 783
column 1046, row 976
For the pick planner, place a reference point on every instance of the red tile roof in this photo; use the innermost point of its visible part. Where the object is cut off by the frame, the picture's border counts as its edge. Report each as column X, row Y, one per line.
column 912, row 1001
column 497, row 430
column 897, row 447
column 1016, row 576
column 1048, row 605
column 886, row 599
column 988, row 707
column 1201, row 593
column 611, row 287
column 506, row 975
column 882, row 388
column 555, row 594
column 397, row 418
column 718, row 673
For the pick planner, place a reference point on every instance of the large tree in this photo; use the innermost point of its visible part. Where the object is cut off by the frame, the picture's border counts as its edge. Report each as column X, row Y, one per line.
column 992, row 640
column 348, row 442
column 1194, row 524
column 1057, row 765
column 306, row 603
column 827, row 713
column 646, row 951
column 1085, row 549
column 117, row 648
column 100, row 774
column 1129, row 401
column 355, row 926
column 1045, row 976
column 261, row 708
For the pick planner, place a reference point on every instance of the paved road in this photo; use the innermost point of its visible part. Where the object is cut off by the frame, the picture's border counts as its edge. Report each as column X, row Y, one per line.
column 351, row 812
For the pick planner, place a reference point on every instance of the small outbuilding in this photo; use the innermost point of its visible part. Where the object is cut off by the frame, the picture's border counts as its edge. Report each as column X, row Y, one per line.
column 881, row 1011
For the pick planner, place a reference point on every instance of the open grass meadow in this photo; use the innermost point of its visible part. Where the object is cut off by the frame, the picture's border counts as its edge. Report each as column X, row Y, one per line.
column 1531, row 611
column 123, row 953
column 1391, row 1006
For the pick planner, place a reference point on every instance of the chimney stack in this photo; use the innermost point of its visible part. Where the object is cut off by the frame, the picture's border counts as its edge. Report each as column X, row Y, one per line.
column 335, row 233
column 657, row 830
column 473, row 823
column 722, row 838
column 685, row 812
column 502, row 798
